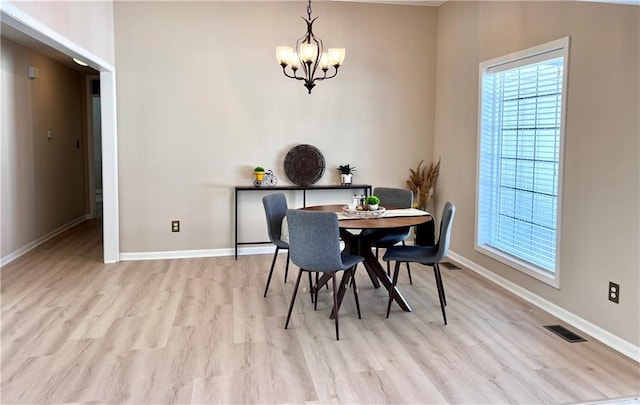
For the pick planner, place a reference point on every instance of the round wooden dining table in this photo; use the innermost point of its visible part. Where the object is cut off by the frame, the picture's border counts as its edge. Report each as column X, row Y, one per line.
column 363, row 246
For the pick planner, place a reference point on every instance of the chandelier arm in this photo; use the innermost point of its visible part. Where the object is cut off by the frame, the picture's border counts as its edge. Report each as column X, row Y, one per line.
column 325, row 77
column 310, row 68
column 290, row 76
column 320, row 78
column 312, row 38
column 316, row 64
column 306, row 68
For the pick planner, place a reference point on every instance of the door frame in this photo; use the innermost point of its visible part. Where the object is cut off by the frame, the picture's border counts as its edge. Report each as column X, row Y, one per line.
column 23, row 22
column 91, row 171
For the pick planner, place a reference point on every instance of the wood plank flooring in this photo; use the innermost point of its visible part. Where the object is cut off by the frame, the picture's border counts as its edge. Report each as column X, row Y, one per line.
column 75, row 330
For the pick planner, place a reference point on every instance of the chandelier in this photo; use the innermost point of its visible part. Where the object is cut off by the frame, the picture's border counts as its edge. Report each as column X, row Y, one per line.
column 309, row 55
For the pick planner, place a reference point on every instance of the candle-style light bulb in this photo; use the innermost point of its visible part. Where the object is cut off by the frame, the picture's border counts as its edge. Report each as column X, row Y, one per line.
column 308, row 52
column 283, row 54
column 324, row 61
column 294, row 60
column 336, row 56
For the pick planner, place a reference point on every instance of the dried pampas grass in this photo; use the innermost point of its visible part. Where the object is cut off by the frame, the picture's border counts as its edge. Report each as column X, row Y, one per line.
column 422, row 183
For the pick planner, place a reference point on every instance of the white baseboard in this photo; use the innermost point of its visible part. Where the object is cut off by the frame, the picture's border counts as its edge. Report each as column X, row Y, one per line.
column 34, row 244
column 189, row 254
column 626, row 348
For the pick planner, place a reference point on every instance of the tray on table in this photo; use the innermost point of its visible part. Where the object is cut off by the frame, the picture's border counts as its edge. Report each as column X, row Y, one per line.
column 380, row 212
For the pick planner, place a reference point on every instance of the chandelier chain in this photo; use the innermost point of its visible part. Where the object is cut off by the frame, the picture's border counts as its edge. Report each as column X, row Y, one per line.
column 309, row 9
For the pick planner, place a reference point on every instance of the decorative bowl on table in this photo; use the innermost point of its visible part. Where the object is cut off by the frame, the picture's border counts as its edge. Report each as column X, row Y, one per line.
column 363, row 213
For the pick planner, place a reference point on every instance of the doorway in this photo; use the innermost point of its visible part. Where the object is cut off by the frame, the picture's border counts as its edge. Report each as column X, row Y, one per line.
column 26, row 24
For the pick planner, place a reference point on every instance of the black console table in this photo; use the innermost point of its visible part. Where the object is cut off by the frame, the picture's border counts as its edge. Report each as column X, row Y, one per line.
column 366, row 188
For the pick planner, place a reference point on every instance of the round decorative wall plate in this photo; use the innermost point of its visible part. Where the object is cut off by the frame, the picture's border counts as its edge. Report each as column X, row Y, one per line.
column 304, row 165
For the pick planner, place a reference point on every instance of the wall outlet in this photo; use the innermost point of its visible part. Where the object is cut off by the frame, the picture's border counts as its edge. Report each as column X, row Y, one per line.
column 175, row 226
column 614, row 292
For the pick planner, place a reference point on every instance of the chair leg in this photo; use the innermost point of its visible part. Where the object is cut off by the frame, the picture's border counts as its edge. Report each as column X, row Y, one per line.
column 273, row 263
column 310, row 286
column 408, row 268
column 394, row 283
column 355, row 289
column 286, row 268
column 436, row 274
column 444, row 296
column 389, row 269
column 315, row 301
column 293, row 298
column 335, row 304
column 440, row 293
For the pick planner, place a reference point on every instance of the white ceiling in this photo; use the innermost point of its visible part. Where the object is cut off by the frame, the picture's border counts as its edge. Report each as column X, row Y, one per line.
column 436, row 3
column 632, row 2
column 8, row 32
column 432, row 3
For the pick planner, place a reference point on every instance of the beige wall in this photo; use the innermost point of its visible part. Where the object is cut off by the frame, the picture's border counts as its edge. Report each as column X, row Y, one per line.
column 86, row 23
column 42, row 180
column 600, row 219
column 202, row 100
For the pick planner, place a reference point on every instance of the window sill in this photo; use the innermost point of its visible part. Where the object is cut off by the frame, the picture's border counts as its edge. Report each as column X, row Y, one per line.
column 544, row 276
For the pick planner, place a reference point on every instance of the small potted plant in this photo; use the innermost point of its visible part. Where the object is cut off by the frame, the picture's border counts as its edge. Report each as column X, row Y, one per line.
column 346, row 174
column 259, row 173
column 372, row 202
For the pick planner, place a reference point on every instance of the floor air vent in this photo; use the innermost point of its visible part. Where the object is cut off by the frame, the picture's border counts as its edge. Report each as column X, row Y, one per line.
column 565, row 333
column 450, row 266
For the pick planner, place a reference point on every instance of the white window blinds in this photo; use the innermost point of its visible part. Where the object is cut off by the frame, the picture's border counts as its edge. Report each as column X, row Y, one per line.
column 519, row 158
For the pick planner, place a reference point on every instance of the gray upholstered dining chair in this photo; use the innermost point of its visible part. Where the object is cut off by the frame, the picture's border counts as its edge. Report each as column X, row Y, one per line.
column 314, row 244
column 275, row 208
column 385, row 238
column 428, row 255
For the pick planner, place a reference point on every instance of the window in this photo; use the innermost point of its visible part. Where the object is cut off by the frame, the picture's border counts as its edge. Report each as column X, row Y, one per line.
column 521, row 131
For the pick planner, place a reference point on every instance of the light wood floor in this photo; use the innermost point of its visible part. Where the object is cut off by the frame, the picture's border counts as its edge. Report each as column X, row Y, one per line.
column 199, row 331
